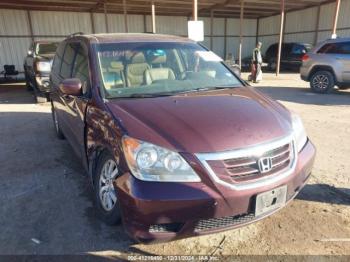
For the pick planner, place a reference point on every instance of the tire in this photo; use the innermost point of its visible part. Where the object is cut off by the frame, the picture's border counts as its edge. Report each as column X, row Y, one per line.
column 56, row 124
column 322, row 82
column 272, row 65
column 28, row 86
column 105, row 195
column 39, row 97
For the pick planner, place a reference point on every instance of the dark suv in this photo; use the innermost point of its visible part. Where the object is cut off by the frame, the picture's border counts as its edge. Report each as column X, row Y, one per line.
column 174, row 143
column 37, row 68
column 291, row 55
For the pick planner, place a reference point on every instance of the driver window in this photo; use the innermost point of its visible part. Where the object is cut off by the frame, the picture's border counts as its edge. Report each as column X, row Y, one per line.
column 81, row 69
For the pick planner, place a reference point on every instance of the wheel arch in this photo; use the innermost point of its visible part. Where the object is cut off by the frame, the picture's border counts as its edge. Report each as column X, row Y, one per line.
column 322, row 68
column 94, row 154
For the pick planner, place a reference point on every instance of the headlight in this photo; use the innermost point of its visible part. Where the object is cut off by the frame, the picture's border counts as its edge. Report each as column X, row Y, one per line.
column 149, row 162
column 43, row 66
column 299, row 132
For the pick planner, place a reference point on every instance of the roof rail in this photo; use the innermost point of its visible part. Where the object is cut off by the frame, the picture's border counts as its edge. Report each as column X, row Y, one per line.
column 76, row 33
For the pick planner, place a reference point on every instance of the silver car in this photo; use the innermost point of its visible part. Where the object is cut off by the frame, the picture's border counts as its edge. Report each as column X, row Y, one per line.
column 327, row 65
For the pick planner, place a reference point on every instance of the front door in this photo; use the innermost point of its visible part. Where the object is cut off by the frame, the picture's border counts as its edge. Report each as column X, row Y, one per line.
column 79, row 104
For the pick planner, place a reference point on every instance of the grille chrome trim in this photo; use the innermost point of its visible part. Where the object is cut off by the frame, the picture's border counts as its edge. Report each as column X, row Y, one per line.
column 256, row 151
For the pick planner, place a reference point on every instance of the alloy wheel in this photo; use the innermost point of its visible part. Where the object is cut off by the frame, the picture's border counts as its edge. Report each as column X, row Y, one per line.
column 107, row 193
column 320, row 82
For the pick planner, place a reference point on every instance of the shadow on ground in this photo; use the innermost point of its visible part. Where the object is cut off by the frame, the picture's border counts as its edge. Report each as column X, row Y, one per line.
column 15, row 93
column 324, row 193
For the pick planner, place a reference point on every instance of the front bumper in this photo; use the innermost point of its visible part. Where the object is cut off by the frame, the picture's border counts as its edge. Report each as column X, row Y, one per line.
column 304, row 73
column 162, row 211
column 43, row 82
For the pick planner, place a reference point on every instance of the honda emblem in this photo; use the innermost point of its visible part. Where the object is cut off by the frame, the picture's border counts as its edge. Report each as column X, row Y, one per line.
column 265, row 164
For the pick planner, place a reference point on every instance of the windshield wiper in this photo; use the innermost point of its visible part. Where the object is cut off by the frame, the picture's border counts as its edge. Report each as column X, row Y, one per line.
column 223, row 87
column 160, row 94
column 207, row 89
column 149, row 95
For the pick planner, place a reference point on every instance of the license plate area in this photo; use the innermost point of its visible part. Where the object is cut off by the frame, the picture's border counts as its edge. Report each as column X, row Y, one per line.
column 270, row 200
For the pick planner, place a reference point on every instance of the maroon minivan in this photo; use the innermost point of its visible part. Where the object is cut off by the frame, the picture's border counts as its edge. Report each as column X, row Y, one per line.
column 175, row 144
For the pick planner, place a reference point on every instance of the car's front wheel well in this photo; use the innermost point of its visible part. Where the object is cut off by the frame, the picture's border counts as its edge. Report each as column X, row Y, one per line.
column 93, row 159
column 321, row 68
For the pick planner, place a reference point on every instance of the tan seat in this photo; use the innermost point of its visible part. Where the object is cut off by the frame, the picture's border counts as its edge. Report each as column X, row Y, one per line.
column 135, row 70
column 158, row 73
column 114, row 77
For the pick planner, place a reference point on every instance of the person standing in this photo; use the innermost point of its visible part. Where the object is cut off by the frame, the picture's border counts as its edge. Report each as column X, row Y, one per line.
column 257, row 63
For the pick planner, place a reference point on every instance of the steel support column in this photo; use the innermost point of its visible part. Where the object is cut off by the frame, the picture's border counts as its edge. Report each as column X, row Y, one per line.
column 241, row 34
column 153, row 18
column 106, row 18
column 280, row 39
column 125, row 17
column 335, row 21
column 195, row 10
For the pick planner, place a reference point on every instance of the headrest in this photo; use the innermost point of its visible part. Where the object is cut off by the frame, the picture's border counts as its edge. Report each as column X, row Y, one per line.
column 117, row 65
column 138, row 58
column 157, row 59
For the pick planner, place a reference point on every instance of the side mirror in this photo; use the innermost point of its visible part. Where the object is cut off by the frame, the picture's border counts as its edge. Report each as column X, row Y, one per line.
column 30, row 52
column 71, row 86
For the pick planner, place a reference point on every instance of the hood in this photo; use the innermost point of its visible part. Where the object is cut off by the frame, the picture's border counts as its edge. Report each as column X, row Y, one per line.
column 204, row 122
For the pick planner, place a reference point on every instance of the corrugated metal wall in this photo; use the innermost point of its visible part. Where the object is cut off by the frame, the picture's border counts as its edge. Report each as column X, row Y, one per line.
column 13, row 49
column 56, row 25
column 300, row 26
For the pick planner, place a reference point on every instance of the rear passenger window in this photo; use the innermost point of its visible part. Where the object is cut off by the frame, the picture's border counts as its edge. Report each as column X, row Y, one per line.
column 67, row 61
column 335, row 48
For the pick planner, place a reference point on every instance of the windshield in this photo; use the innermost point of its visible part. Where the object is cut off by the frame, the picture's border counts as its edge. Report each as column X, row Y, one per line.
column 152, row 69
column 45, row 49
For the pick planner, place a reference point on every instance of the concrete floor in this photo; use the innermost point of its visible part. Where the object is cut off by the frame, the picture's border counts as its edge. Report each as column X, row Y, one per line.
column 46, row 202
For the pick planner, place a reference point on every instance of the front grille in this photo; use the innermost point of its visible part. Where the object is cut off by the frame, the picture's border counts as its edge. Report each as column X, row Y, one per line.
column 222, row 222
column 165, row 228
column 244, row 168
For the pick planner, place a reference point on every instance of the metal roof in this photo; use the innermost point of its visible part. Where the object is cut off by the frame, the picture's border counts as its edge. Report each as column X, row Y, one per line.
column 222, row 8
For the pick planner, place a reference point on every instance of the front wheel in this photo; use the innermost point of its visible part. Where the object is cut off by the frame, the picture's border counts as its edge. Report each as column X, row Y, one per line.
column 28, row 85
column 272, row 65
column 39, row 96
column 322, row 82
column 106, row 196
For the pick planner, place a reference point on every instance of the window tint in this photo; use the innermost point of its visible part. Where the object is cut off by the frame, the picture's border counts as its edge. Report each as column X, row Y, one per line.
column 81, row 68
column 335, row 48
column 298, row 50
column 132, row 69
column 67, row 61
column 56, row 66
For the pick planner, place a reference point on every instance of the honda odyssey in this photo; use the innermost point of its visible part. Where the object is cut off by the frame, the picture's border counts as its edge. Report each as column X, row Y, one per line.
column 174, row 143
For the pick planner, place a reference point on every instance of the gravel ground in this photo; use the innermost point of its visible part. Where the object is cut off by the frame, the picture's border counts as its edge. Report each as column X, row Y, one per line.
column 46, row 202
